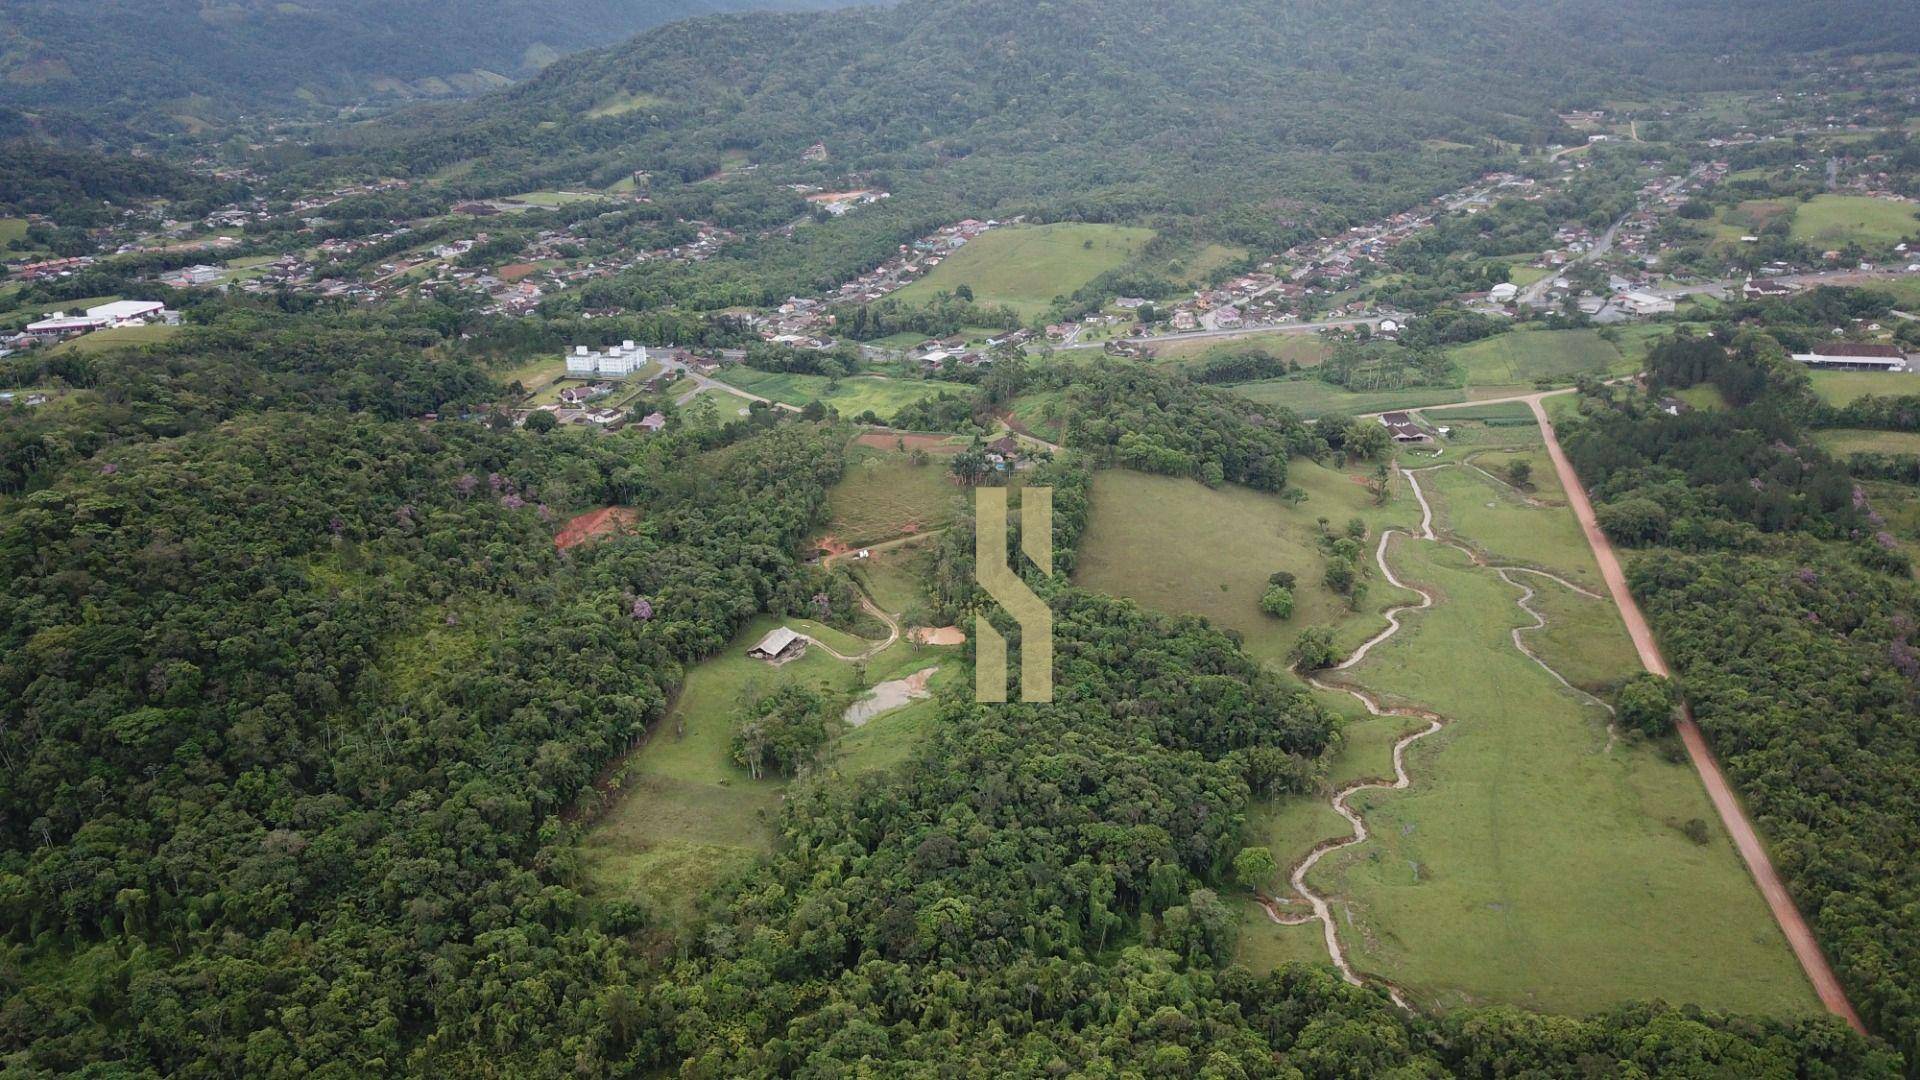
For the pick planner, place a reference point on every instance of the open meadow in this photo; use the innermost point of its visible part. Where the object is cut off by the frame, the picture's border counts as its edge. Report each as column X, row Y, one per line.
column 852, row 395
column 1179, row 547
column 1841, row 442
column 1536, row 859
column 1025, row 267
column 1837, row 220
column 1845, row 387
column 119, row 337
column 886, row 494
column 685, row 815
column 1523, row 357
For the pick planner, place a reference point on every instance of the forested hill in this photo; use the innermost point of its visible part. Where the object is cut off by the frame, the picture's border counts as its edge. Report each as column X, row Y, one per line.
column 1125, row 105
column 198, row 58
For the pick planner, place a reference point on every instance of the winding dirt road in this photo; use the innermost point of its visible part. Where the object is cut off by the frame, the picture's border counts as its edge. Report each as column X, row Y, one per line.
column 873, row 650
column 1805, row 947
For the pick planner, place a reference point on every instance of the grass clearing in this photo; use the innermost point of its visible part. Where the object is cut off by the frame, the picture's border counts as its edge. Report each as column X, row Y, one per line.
column 550, row 199
column 1025, row 267
column 118, row 337
column 852, row 396
column 1179, row 547
column 1837, row 220
column 686, row 815
column 1309, row 397
column 1523, row 528
column 1841, row 442
column 1532, row 862
column 621, row 104
column 884, row 495
column 1521, row 358
column 1307, row 350
column 1846, row 387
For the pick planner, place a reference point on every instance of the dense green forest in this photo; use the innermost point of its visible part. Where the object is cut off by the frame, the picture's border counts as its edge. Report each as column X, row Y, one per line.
column 1788, row 610
column 172, row 63
column 1110, row 110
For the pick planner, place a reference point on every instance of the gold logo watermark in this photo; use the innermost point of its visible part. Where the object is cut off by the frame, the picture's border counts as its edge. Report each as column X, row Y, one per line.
column 995, row 574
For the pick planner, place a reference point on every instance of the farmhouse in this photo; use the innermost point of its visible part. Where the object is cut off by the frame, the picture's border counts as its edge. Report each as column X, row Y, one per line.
column 1402, row 428
column 779, row 646
column 1854, row 356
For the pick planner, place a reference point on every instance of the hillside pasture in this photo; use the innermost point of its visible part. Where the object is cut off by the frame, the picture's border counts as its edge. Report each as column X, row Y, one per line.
column 118, row 337
column 884, row 495
column 1523, row 357
column 1025, row 267
column 1846, row 387
column 1536, row 861
column 1837, row 220
column 1179, row 547
column 851, row 396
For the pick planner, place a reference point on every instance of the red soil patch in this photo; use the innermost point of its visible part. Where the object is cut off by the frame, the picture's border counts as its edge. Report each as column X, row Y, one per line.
column 594, row 524
column 516, row 271
column 887, row 440
column 940, row 635
column 831, row 546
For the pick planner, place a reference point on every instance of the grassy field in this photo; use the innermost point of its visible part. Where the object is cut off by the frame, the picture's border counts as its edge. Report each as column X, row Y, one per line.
column 1841, row 442
column 686, row 815
column 1026, row 267
column 1843, row 387
column 1514, row 527
column 11, row 229
column 851, row 396
column 550, row 199
column 884, row 495
column 1835, row 220
column 1309, row 398
column 1523, row 357
column 1533, row 862
column 119, row 337
column 1307, row 350
column 1177, row 546
column 621, row 104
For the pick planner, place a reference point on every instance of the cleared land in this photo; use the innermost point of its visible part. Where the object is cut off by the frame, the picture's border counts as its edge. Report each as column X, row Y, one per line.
column 1534, row 860
column 884, row 495
column 686, row 815
column 1844, row 441
column 852, row 396
column 1835, row 220
column 119, row 337
column 1180, row 547
column 1843, row 387
column 1307, row 350
column 1523, row 357
column 1309, row 397
column 1026, row 267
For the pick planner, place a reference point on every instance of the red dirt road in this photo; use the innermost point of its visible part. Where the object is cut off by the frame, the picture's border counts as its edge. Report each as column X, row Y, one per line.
column 1799, row 935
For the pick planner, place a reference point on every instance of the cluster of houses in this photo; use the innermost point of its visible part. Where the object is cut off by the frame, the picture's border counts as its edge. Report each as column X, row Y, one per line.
column 911, row 262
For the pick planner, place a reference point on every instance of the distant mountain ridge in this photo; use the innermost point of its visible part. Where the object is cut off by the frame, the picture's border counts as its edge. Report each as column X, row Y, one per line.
column 1111, row 108
column 192, row 60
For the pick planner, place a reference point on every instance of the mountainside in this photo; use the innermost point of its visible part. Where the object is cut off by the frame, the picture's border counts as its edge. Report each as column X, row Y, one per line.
column 1223, row 105
column 191, row 59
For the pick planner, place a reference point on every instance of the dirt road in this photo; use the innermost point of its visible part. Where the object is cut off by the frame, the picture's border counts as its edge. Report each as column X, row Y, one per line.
column 1805, row 948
